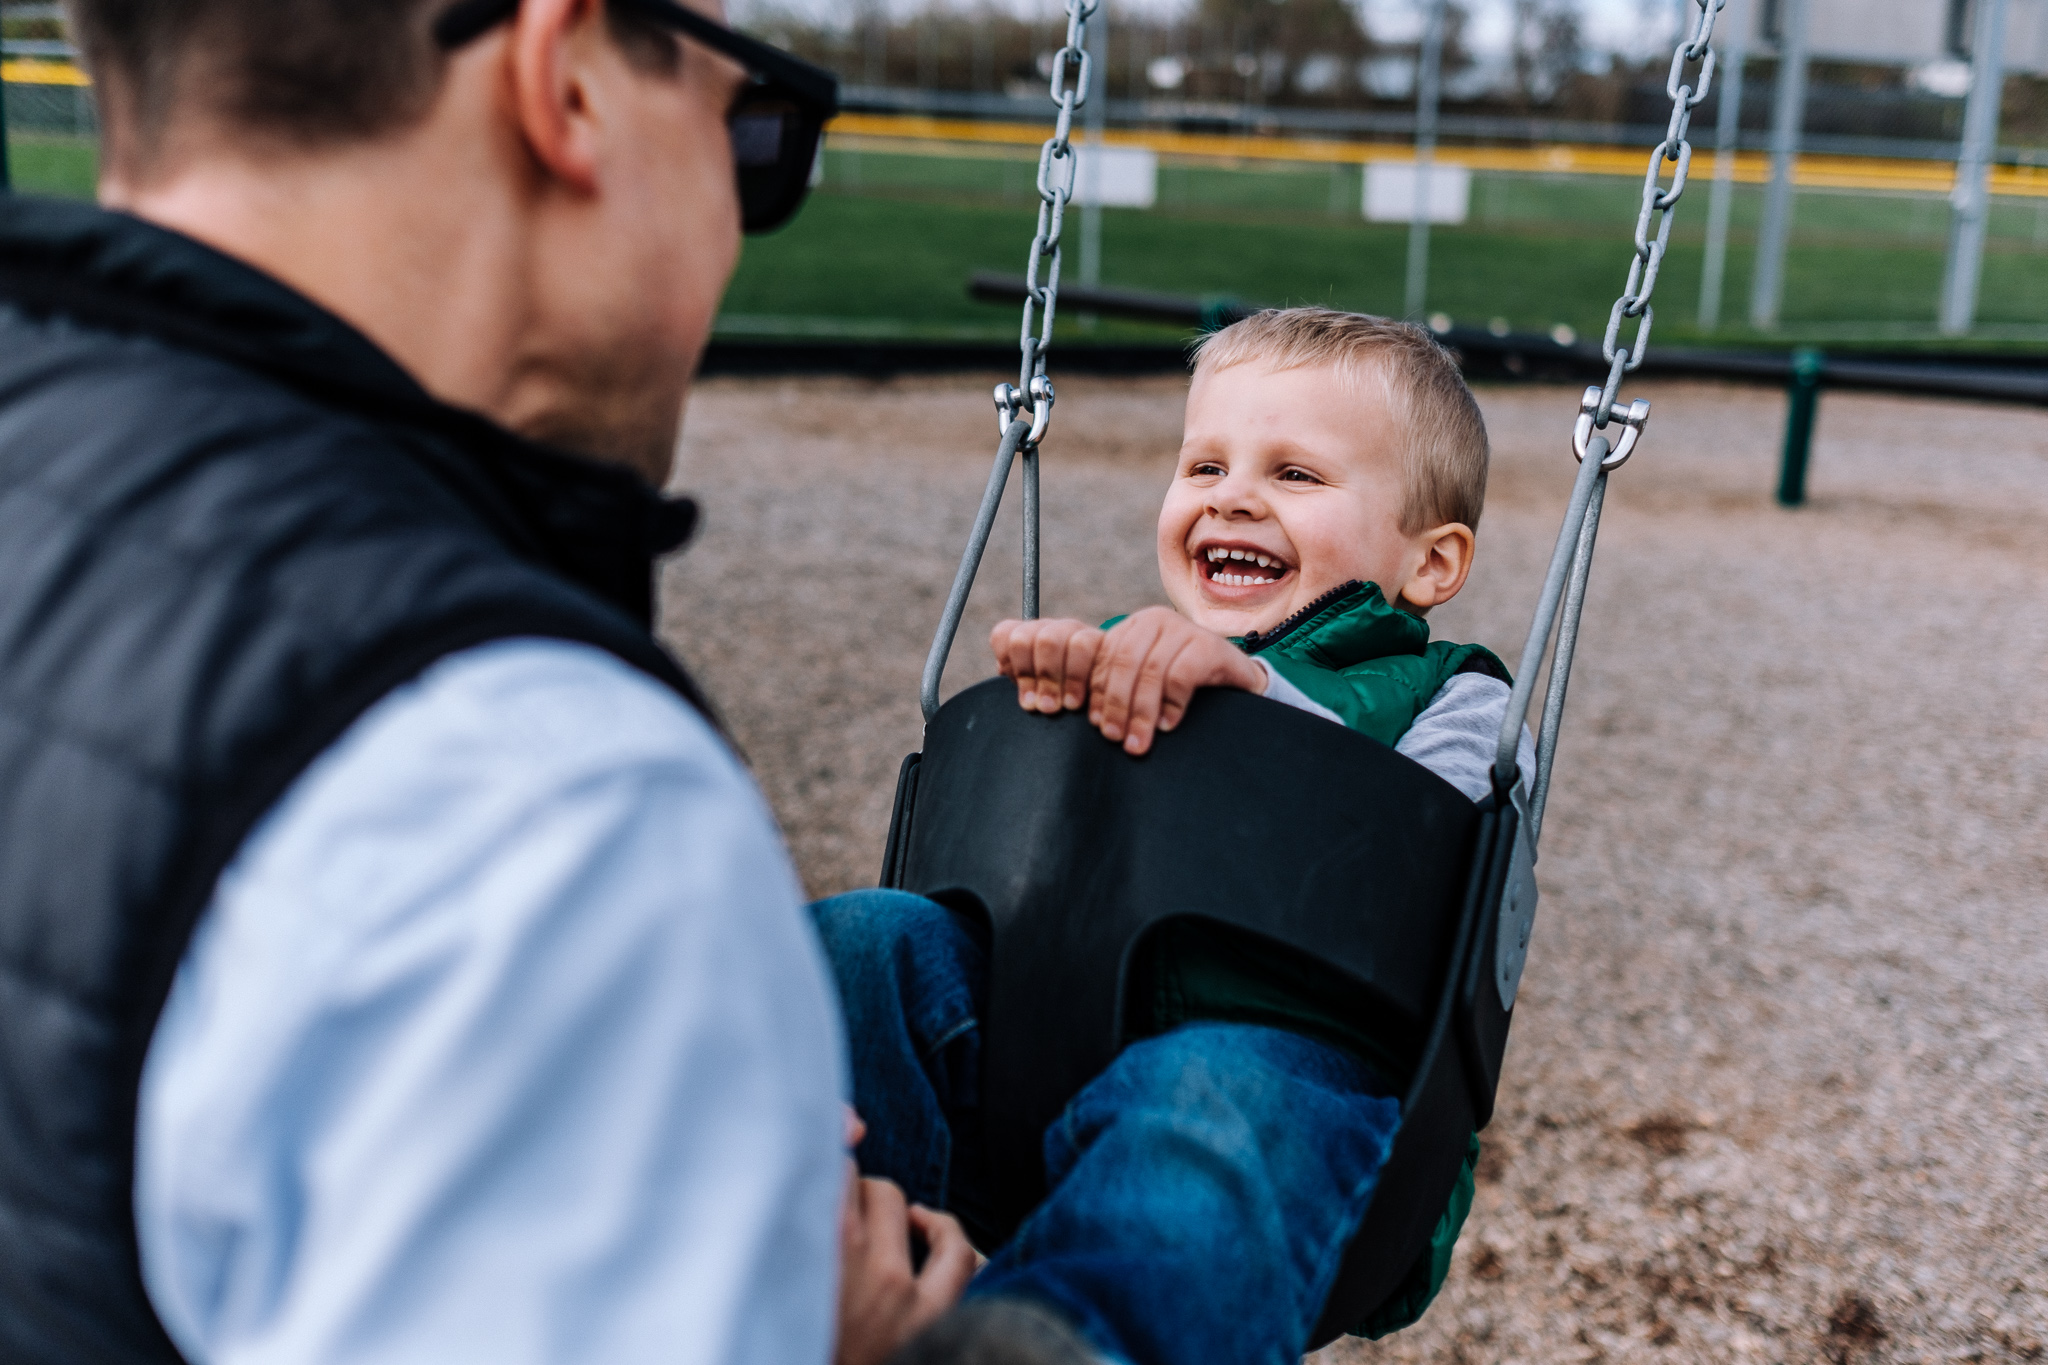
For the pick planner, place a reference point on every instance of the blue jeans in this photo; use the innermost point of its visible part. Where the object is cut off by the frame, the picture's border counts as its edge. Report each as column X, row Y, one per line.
column 1203, row 1188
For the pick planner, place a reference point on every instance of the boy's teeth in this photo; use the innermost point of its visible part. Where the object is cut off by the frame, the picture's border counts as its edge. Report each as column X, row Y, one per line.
column 1217, row 555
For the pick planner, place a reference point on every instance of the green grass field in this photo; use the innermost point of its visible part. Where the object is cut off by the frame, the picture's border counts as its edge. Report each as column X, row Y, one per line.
column 44, row 164
column 886, row 245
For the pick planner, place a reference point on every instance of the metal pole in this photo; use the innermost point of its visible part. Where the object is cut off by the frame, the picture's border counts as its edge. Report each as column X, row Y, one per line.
column 1727, row 141
column 970, row 564
column 1568, row 536
column 6, row 178
column 1561, row 659
column 1091, row 190
column 1801, row 407
column 1428, row 89
column 1767, row 287
column 1972, row 198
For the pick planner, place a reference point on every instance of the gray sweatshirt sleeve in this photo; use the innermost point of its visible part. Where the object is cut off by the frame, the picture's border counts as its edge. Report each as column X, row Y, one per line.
column 1280, row 690
column 1455, row 735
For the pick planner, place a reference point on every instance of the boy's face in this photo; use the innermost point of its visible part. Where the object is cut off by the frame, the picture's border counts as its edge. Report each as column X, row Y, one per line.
column 1300, row 472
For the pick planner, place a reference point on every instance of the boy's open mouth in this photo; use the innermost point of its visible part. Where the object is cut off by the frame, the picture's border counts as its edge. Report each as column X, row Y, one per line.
column 1233, row 566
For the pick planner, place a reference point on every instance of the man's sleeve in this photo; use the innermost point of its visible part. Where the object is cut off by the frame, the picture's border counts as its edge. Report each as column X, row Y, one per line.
column 504, row 1040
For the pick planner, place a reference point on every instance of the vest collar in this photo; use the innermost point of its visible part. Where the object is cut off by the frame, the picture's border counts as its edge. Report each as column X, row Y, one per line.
column 598, row 524
column 1347, row 625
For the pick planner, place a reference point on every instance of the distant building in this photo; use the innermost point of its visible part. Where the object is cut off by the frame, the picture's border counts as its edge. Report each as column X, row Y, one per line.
column 1917, row 33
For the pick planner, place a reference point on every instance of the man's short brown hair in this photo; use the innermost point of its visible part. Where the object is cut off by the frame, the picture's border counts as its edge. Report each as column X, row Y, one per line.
column 304, row 71
column 300, row 73
column 1446, row 449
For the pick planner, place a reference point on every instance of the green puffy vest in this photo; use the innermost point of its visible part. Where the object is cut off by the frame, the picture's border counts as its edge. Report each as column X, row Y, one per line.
column 1377, row 669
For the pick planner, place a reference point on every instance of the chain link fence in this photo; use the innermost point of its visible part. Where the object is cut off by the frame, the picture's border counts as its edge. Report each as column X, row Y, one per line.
column 1865, row 261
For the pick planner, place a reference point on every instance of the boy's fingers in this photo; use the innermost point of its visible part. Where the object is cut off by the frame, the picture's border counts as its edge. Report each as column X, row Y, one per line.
column 1148, row 691
column 1021, row 662
column 1188, row 672
column 1049, row 665
column 1081, row 649
column 1116, row 672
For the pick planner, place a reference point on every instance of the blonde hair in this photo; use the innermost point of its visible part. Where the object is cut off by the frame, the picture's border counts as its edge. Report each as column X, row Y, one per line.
column 1446, row 450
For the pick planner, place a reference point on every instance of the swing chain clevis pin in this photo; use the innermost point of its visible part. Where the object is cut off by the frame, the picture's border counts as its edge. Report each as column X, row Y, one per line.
column 1041, row 407
column 1009, row 407
column 1632, row 423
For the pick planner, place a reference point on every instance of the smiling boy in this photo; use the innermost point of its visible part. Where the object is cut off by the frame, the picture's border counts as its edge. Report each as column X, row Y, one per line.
column 1204, row 1187
column 1325, row 497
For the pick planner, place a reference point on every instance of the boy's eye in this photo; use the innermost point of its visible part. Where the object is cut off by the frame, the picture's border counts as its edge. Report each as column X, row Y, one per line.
column 1204, row 468
column 1299, row 476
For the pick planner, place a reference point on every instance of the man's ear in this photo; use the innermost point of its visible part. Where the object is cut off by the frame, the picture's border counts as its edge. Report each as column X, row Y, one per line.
column 1446, row 560
column 548, row 74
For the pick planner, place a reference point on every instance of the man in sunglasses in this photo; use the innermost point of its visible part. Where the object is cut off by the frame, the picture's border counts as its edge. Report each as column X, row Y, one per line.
column 395, row 962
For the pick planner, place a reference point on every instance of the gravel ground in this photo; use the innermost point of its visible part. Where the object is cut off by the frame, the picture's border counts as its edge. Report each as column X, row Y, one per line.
column 1779, row 1083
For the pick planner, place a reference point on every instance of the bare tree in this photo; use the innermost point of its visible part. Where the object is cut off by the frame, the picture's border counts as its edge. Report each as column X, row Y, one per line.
column 1547, row 45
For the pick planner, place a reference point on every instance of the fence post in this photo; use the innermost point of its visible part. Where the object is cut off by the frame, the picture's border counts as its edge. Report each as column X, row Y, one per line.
column 1788, row 115
column 1429, row 65
column 1802, row 405
column 6, row 179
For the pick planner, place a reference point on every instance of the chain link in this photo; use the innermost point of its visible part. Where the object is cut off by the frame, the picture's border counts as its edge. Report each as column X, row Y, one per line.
column 1071, row 73
column 1659, row 199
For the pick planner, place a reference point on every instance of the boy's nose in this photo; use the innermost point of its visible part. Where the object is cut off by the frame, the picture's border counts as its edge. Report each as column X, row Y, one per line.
column 1236, row 500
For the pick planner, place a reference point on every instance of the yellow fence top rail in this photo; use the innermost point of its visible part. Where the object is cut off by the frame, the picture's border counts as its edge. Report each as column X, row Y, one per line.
column 35, row 71
column 1752, row 168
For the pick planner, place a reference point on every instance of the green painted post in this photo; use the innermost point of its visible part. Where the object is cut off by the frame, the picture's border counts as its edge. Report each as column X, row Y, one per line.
column 6, row 181
column 1803, row 404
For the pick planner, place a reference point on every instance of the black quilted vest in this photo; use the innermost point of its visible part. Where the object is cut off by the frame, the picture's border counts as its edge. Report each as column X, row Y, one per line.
column 228, row 525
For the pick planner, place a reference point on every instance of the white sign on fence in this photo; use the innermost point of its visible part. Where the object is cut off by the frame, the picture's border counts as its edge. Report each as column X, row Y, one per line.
column 1390, row 192
column 1118, row 177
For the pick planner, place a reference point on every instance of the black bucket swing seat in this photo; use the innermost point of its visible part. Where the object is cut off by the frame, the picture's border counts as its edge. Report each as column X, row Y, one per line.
column 1073, row 853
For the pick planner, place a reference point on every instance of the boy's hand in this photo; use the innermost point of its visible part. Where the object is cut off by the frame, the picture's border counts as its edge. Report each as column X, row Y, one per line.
column 1136, row 679
column 1051, row 661
column 1147, row 669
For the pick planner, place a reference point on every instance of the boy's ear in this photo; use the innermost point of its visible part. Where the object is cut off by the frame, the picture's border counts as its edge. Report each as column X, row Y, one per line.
column 1443, row 561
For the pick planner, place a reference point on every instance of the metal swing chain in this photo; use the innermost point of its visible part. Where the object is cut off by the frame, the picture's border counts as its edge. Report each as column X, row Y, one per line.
column 1056, row 167
column 1658, row 202
column 1024, row 409
column 1564, row 586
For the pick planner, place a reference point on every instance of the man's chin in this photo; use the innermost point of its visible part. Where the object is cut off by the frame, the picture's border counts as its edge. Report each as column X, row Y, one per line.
column 639, row 435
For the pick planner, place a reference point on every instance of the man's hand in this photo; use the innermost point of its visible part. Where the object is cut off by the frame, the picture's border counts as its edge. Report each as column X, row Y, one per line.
column 1050, row 660
column 882, row 1301
column 1147, row 669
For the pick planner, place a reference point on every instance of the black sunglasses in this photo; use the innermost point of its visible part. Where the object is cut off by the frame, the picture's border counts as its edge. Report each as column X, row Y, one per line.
column 775, row 122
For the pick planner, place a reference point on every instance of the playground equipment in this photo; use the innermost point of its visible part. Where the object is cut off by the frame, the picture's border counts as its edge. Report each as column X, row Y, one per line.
column 1072, row 852
column 1538, row 356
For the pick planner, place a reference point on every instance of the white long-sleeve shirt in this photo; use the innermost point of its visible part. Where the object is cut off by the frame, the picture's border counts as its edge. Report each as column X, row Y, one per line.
column 504, row 1039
